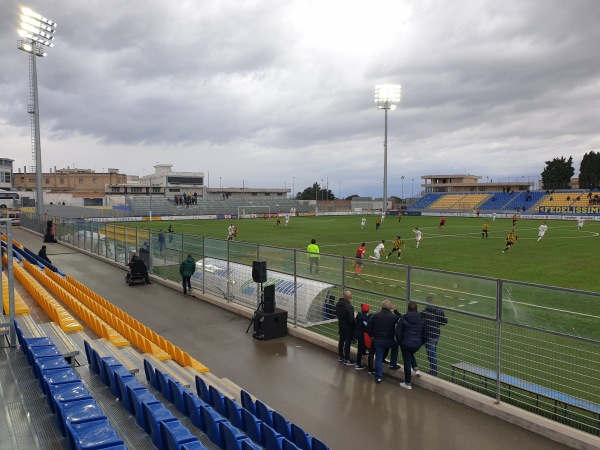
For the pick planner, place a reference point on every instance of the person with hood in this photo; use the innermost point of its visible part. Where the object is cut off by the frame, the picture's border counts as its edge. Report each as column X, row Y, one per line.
column 360, row 328
column 186, row 270
column 435, row 318
column 411, row 334
column 344, row 312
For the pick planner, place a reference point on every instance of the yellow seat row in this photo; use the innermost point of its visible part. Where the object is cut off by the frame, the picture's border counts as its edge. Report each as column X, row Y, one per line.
column 20, row 305
column 92, row 320
column 139, row 335
column 54, row 309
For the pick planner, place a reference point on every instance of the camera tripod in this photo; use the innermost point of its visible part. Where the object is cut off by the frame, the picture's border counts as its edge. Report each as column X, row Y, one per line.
column 261, row 307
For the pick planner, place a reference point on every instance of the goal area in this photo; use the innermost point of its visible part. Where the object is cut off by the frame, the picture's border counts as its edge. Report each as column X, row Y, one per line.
column 253, row 211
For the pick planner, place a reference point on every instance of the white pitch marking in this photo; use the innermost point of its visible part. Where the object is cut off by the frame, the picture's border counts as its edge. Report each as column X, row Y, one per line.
column 472, row 302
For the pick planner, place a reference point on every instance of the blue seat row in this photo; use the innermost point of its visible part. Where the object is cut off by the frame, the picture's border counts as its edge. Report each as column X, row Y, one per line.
column 166, row 431
column 78, row 416
column 279, row 424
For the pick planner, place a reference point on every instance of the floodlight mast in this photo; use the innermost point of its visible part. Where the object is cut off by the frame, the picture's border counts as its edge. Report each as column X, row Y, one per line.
column 37, row 32
column 386, row 97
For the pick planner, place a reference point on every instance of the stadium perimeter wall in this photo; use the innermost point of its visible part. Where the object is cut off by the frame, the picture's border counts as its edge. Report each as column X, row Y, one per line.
column 482, row 336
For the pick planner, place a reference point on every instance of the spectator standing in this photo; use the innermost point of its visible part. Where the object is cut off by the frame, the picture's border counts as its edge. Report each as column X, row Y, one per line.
column 312, row 251
column 345, row 315
column 161, row 241
column 434, row 319
column 360, row 328
column 411, row 334
column 381, row 327
column 186, row 270
column 170, row 231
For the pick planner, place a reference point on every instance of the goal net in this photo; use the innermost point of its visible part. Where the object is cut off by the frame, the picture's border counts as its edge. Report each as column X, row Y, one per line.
column 253, row 211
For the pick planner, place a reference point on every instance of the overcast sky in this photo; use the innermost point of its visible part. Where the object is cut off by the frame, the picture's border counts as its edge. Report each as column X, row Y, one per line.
column 278, row 93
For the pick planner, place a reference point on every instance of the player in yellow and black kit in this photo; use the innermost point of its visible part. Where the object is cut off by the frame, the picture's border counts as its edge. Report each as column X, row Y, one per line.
column 398, row 246
column 484, row 230
column 511, row 239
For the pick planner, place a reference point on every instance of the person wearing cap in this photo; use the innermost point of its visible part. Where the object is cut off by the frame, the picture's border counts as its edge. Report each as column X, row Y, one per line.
column 381, row 327
column 360, row 327
column 344, row 312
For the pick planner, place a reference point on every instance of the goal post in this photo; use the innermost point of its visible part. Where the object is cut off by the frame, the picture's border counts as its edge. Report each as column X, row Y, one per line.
column 252, row 211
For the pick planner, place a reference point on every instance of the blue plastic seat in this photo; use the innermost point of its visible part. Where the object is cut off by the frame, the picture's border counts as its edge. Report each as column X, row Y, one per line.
column 122, row 384
column 163, row 383
column 233, row 412
column 57, row 376
column 174, row 434
column 77, row 411
column 218, row 402
column 153, row 416
column 247, row 402
column 177, row 391
column 211, row 420
column 41, row 351
column 49, row 363
column 202, row 390
column 193, row 446
column 193, row 403
column 318, row 444
column 92, row 435
column 299, row 437
column 88, row 351
column 67, row 392
column 281, row 425
column 288, row 445
column 273, row 440
column 252, row 427
column 104, row 364
column 231, row 437
column 112, row 381
column 137, row 397
column 249, row 445
column 94, row 360
column 150, row 374
column 264, row 413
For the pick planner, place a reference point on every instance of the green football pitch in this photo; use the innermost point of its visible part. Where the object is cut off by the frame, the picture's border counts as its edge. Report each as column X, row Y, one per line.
column 565, row 257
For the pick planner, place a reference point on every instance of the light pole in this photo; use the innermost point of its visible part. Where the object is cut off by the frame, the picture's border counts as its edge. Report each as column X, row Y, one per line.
column 339, row 190
column 293, row 190
column 386, row 97
column 220, row 187
column 412, row 189
column 36, row 32
column 402, row 189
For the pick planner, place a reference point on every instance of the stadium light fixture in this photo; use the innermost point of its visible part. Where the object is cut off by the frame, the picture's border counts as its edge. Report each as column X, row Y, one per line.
column 36, row 32
column 386, row 97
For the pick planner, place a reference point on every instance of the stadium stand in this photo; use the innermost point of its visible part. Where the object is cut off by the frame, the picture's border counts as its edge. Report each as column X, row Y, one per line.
column 458, row 202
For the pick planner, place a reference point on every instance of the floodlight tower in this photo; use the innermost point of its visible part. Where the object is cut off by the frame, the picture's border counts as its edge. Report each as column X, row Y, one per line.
column 386, row 97
column 37, row 32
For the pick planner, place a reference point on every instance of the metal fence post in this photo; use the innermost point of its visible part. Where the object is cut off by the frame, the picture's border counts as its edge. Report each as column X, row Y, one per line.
column 228, row 269
column 203, row 264
column 408, row 290
column 295, row 293
column 343, row 274
column 258, row 291
column 498, row 338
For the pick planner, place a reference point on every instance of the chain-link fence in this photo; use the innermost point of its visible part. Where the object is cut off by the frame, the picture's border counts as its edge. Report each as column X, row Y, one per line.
column 536, row 347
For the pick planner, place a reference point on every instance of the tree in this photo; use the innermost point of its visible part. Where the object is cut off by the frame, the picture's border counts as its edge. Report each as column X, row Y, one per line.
column 315, row 192
column 558, row 173
column 589, row 171
column 350, row 197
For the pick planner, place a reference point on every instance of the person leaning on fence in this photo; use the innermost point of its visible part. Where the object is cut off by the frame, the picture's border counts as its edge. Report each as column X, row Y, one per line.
column 381, row 327
column 345, row 315
column 434, row 319
column 186, row 270
column 360, row 328
column 312, row 251
column 411, row 334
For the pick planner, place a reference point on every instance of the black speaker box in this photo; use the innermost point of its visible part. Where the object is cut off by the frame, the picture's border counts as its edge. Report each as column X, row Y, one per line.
column 259, row 271
column 269, row 298
column 269, row 326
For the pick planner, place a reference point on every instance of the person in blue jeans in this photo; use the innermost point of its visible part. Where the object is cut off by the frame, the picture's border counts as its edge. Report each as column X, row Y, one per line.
column 381, row 327
column 435, row 318
column 411, row 334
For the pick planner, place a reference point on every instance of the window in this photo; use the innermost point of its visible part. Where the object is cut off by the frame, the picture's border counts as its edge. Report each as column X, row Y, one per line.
column 47, row 180
column 62, row 181
column 254, row 194
column 94, row 180
column 115, row 189
column 267, row 194
column 136, row 189
column 81, row 181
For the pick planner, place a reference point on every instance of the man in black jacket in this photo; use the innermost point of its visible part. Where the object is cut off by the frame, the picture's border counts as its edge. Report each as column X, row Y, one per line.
column 381, row 328
column 137, row 266
column 345, row 315
column 42, row 254
column 411, row 334
column 434, row 317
